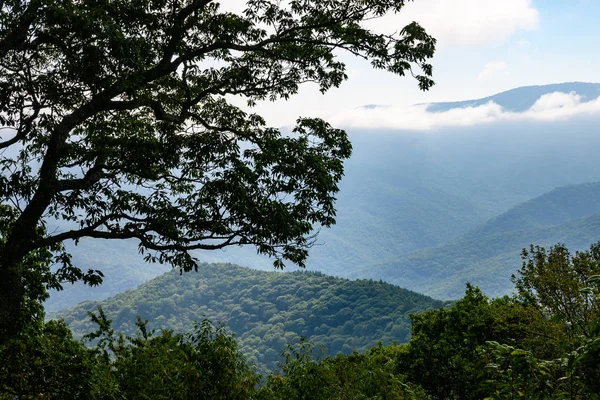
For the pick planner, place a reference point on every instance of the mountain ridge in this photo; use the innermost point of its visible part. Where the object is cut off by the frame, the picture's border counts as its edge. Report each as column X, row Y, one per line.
column 486, row 256
column 526, row 95
column 522, row 98
column 542, row 211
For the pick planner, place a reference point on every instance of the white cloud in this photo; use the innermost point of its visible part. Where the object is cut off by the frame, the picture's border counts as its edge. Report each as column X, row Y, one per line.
column 550, row 107
column 470, row 22
column 556, row 100
column 492, row 68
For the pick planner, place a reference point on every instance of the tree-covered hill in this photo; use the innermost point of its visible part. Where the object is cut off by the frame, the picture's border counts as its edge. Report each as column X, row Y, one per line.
column 266, row 310
column 487, row 255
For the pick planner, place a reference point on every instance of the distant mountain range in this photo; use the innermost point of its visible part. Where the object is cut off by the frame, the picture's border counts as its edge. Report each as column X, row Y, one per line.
column 265, row 310
column 408, row 197
column 559, row 206
column 515, row 100
column 522, row 98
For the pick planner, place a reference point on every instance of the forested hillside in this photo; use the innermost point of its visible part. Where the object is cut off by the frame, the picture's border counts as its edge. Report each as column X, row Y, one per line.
column 487, row 255
column 266, row 310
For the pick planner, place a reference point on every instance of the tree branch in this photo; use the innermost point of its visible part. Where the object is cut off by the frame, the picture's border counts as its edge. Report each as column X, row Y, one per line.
column 91, row 232
column 18, row 34
column 20, row 135
column 92, row 176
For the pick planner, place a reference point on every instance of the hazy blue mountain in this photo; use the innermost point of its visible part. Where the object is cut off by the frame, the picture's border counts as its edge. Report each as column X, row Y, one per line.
column 266, row 310
column 522, row 98
column 121, row 264
column 489, row 254
column 556, row 207
column 404, row 192
column 409, row 191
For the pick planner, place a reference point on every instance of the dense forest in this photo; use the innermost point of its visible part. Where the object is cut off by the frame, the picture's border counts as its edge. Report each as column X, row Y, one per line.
column 265, row 310
column 541, row 343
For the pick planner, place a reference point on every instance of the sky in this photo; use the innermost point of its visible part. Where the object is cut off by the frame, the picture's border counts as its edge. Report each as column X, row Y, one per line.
column 484, row 47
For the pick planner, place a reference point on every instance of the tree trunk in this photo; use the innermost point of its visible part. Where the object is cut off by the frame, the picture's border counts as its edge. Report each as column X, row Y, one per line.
column 11, row 298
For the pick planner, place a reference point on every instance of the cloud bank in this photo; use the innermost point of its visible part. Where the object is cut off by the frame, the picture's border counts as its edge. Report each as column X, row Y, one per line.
column 465, row 22
column 549, row 107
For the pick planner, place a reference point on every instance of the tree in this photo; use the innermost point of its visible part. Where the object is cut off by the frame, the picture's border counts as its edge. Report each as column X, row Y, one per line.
column 203, row 364
column 42, row 360
column 443, row 353
column 565, row 289
column 122, row 125
column 46, row 362
column 557, row 283
column 370, row 375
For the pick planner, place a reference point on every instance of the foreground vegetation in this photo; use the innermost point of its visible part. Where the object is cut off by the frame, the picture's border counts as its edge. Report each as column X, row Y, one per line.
column 542, row 343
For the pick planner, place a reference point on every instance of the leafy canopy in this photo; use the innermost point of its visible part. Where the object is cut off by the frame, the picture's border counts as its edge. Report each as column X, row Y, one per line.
column 122, row 125
column 558, row 283
column 124, row 105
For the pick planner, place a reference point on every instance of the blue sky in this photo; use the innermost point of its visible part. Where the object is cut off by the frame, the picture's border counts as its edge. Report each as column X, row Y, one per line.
column 485, row 46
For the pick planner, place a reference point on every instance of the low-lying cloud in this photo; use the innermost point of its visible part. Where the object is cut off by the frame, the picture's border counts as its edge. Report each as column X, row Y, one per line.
column 549, row 107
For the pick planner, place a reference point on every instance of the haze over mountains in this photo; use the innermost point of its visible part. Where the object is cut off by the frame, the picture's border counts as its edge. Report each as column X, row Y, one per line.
column 487, row 255
column 430, row 210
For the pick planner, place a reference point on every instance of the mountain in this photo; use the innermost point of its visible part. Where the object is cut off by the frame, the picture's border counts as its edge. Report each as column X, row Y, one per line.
column 490, row 253
column 123, row 268
column 266, row 310
column 404, row 192
column 522, row 98
column 556, row 207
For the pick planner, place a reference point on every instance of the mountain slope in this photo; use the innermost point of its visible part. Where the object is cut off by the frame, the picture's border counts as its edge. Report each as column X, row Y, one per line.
column 404, row 192
column 553, row 208
column 266, row 310
column 489, row 254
